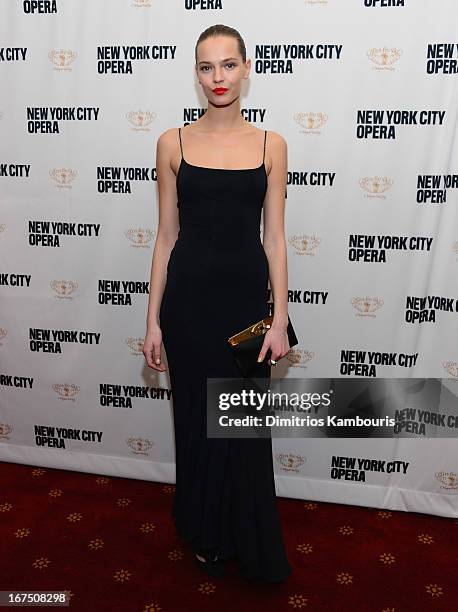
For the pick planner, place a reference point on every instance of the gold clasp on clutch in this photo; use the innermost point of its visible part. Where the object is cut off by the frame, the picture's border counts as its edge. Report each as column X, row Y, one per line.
column 259, row 328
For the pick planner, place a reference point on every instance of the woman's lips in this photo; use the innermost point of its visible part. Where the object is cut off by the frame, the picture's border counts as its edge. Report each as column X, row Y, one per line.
column 219, row 91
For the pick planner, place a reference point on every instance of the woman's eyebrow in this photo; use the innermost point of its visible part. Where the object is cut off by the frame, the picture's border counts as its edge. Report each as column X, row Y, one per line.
column 224, row 60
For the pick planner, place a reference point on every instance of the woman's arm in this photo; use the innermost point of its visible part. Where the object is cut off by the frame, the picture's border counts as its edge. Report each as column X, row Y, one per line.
column 167, row 232
column 275, row 247
column 274, row 229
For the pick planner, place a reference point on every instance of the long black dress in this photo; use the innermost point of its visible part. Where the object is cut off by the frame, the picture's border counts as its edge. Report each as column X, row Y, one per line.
column 217, row 276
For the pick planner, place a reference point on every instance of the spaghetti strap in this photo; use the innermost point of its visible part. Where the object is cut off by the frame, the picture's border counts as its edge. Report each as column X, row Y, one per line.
column 181, row 146
column 265, row 136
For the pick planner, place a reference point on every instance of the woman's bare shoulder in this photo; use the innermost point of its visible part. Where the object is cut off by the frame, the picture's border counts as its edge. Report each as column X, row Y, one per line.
column 277, row 148
column 167, row 146
column 168, row 137
column 275, row 138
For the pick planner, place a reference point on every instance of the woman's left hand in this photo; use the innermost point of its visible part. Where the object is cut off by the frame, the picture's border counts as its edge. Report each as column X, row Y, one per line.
column 276, row 339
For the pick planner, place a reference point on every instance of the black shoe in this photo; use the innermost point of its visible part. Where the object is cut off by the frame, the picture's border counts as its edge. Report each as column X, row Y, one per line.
column 212, row 567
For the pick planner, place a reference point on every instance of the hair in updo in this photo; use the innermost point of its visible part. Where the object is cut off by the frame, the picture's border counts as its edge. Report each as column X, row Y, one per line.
column 222, row 30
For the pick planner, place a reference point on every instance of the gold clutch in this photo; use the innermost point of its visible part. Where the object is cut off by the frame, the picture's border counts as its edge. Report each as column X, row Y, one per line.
column 258, row 329
column 247, row 343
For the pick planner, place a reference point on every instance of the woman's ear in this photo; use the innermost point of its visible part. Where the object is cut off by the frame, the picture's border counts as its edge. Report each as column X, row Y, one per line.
column 247, row 68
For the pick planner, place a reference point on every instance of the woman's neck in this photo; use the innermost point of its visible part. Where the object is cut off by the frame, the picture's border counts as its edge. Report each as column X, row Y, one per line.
column 223, row 119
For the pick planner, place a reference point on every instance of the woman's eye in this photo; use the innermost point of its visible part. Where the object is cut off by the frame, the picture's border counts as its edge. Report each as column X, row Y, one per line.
column 204, row 68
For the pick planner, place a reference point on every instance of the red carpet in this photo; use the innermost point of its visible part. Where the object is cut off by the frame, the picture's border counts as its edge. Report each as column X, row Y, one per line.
column 111, row 543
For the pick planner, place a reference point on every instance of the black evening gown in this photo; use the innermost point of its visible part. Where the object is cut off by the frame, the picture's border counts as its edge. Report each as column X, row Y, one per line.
column 217, row 279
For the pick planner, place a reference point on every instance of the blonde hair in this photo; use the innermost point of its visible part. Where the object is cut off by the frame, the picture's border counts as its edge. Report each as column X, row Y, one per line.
column 220, row 29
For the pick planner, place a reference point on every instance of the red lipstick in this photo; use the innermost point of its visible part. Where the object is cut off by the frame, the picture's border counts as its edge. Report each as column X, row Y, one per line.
column 219, row 90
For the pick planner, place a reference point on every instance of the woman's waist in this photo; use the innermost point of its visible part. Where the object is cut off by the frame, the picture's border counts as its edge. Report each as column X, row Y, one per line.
column 220, row 234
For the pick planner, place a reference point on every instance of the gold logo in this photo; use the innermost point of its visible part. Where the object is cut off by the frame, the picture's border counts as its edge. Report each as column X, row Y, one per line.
column 259, row 328
column 3, row 227
column 451, row 367
column 298, row 358
column 139, row 237
column 375, row 186
column 64, row 288
column 136, row 345
column 311, row 122
column 455, row 248
column 449, row 480
column 142, row 3
column 66, row 391
column 63, row 177
column 290, row 462
column 304, row 245
column 366, row 306
column 384, row 57
column 139, row 446
column 140, row 120
column 3, row 333
column 62, row 58
column 5, row 429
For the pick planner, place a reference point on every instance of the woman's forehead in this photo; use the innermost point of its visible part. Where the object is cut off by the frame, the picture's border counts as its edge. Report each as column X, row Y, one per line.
column 217, row 48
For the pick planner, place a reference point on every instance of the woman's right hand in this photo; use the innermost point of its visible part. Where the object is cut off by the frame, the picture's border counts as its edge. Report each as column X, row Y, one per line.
column 152, row 348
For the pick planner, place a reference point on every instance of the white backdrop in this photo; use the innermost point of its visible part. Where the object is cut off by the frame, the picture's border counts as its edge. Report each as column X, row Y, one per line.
column 365, row 93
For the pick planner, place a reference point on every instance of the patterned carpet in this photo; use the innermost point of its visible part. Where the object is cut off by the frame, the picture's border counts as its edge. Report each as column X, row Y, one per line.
column 110, row 542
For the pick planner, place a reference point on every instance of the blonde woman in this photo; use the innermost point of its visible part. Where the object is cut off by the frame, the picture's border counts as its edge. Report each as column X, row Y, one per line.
column 209, row 280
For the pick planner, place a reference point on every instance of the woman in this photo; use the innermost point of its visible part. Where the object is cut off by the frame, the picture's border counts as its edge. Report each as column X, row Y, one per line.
column 209, row 280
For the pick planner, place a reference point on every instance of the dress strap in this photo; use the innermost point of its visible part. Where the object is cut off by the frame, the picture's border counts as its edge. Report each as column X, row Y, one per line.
column 265, row 136
column 181, row 146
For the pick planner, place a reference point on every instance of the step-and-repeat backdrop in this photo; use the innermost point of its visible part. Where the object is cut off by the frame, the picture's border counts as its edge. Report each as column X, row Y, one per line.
column 365, row 94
